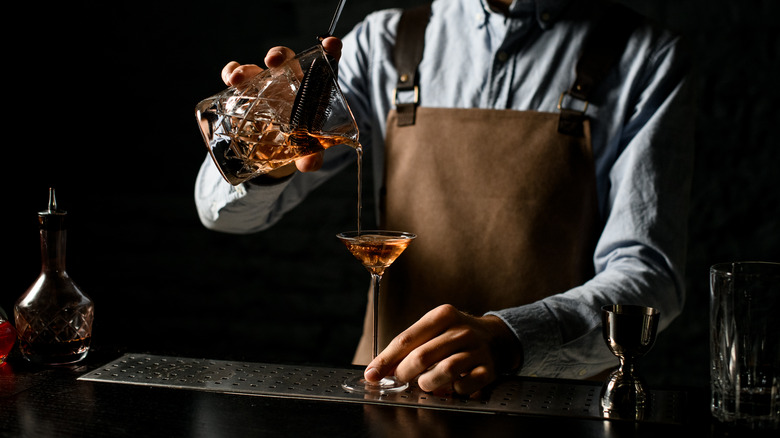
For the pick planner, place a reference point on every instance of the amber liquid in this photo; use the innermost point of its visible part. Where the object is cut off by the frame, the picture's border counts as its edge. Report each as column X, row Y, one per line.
column 246, row 140
column 376, row 251
column 359, row 150
column 264, row 147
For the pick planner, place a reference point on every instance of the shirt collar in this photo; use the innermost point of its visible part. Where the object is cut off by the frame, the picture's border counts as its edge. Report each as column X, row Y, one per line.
column 546, row 11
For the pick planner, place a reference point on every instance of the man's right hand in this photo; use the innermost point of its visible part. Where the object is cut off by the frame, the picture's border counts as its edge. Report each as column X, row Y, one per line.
column 234, row 74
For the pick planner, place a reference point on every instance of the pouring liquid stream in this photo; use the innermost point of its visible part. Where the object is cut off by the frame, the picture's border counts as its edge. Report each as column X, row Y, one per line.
column 359, row 150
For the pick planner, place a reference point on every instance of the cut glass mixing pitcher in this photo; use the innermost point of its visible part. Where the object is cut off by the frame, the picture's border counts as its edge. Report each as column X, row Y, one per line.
column 278, row 116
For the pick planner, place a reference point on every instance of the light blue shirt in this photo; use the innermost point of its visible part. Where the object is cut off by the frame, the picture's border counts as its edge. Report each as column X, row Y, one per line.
column 642, row 142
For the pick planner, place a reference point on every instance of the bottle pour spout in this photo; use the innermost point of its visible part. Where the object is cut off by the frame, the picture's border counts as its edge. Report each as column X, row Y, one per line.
column 52, row 207
column 52, row 200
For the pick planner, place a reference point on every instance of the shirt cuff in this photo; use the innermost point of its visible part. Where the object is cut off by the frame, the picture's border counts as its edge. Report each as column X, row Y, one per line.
column 536, row 329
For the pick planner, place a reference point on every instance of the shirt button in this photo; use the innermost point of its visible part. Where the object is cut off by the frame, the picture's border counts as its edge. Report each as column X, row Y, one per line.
column 582, row 372
column 502, row 56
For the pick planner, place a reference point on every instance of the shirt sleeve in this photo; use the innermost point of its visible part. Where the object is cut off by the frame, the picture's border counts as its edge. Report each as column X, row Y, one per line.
column 251, row 207
column 640, row 255
column 239, row 209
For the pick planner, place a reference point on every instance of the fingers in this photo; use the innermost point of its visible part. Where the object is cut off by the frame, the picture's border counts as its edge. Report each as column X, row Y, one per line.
column 277, row 55
column 446, row 372
column 234, row 73
column 477, row 379
column 466, row 367
column 310, row 163
column 333, row 46
column 470, row 384
column 446, row 350
column 439, row 361
column 428, row 327
column 227, row 71
column 281, row 172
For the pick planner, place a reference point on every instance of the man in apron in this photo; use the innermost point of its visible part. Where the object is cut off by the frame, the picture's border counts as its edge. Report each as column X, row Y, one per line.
column 526, row 226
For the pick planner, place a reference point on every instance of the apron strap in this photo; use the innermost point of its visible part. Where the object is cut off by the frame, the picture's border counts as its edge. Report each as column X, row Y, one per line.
column 600, row 52
column 407, row 53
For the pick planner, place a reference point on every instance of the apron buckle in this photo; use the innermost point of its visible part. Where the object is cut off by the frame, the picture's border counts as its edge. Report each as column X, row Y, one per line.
column 416, row 90
column 571, row 99
column 406, row 110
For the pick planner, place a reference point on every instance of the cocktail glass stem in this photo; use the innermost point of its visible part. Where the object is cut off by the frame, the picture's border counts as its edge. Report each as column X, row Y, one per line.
column 375, row 280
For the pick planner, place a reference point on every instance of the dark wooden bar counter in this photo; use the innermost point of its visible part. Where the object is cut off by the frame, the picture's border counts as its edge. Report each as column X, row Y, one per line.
column 53, row 401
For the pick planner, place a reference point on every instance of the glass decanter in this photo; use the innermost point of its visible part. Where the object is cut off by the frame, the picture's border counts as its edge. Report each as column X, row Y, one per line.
column 54, row 317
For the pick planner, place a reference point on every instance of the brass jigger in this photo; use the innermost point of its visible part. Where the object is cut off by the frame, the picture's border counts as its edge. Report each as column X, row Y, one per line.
column 630, row 333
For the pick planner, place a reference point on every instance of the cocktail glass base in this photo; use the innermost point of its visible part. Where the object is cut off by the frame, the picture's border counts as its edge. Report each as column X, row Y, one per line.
column 385, row 386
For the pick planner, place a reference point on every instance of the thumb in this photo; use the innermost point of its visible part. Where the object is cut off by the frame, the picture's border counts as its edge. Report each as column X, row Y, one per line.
column 309, row 163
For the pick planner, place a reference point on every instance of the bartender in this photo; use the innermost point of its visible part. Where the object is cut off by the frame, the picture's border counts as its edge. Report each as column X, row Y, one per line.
column 541, row 150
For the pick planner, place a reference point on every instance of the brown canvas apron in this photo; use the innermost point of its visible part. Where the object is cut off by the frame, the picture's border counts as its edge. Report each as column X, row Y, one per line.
column 504, row 208
column 503, row 202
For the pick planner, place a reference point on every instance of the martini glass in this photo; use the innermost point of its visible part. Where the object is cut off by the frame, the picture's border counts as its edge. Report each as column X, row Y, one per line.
column 376, row 249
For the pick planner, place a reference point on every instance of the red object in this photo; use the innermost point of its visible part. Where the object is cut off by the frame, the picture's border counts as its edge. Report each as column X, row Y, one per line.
column 7, row 339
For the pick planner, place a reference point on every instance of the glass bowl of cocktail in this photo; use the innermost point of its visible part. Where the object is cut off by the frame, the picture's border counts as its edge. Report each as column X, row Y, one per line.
column 278, row 116
column 376, row 250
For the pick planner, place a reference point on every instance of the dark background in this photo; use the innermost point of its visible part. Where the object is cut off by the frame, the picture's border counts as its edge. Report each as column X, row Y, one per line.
column 99, row 104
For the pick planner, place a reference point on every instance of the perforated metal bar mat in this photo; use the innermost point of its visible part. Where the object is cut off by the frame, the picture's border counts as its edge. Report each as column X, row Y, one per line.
column 578, row 399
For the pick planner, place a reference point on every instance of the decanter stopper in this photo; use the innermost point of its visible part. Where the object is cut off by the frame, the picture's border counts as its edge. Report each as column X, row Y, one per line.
column 54, row 317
